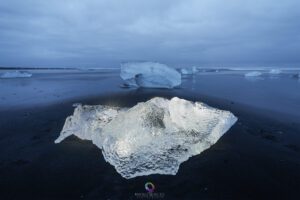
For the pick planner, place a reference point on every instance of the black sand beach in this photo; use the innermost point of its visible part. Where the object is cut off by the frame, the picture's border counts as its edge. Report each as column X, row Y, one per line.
column 258, row 158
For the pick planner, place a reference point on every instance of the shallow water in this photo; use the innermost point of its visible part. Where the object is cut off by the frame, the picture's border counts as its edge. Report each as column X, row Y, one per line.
column 279, row 93
column 276, row 93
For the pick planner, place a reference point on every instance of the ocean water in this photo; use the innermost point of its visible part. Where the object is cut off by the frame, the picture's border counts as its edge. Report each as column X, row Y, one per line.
column 275, row 93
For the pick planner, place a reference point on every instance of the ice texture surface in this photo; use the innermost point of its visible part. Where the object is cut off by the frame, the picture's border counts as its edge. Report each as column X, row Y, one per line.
column 16, row 74
column 149, row 75
column 153, row 137
column 255, row 73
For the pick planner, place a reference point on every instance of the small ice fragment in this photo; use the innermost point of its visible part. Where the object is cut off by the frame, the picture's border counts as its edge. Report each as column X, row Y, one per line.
column 16, row 74
column 195, row 69
column 275, row 71
column 189, row 71
column 76, row 104
column 186, row 71
column 255, row 73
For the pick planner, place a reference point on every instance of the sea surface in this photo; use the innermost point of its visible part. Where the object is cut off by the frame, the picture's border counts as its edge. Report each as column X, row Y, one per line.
column 273, row 92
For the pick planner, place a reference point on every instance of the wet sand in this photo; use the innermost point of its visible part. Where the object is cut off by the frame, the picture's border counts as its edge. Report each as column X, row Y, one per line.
column 258, row 158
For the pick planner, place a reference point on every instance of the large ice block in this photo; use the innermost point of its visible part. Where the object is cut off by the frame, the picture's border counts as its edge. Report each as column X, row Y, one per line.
column 149, row 75
column 153, row 137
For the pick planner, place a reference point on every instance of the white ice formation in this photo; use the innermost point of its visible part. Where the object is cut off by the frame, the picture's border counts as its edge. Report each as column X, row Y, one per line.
column 275, row 71
column 186, row 71
column 251, row 74
column 153, row 137
column 189, row 71
column 16, row 74
column 195, row 69
column 149, row 75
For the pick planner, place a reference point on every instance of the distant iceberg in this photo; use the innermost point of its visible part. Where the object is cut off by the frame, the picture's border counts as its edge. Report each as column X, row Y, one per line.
column 16, row 74
column 195, row 69
column 275, row 71
column 149, row 75
column 189, row 71
column 186, row 71
column 253, row 74
column 153, row 137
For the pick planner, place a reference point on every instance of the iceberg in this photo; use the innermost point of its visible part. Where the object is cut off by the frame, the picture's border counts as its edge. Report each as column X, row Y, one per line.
column 16, row 74
column 149, row 75
column 195, row 69
column 189, row 71
column 275, row 71
column 186, row 71
column 152, row 137
column 251, row 74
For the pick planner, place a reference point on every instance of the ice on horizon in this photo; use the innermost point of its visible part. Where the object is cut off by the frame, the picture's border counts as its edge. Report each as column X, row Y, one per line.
column 189, row 70
column 275, row 71
column 149, row 75
column 152, row 137
column 253, row 74
column 16, row 74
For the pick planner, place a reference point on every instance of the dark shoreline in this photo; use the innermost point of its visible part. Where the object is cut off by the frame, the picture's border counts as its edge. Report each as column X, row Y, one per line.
column 258, row 158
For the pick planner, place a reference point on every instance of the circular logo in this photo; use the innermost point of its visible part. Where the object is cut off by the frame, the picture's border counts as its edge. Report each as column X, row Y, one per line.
column 149, row 187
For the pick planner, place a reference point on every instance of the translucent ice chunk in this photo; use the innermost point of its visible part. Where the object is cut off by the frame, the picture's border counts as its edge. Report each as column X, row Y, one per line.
column 153, row 137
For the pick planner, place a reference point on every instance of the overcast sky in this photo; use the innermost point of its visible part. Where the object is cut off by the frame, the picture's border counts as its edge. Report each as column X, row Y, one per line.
column 103, row 33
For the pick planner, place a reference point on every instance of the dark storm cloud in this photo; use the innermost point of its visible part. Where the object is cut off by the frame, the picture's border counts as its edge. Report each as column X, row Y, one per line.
column 106, row 32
